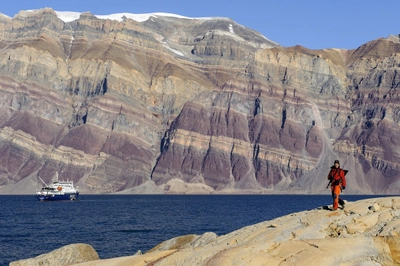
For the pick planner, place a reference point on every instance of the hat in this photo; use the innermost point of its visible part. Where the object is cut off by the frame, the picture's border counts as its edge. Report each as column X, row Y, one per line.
column 336, row 161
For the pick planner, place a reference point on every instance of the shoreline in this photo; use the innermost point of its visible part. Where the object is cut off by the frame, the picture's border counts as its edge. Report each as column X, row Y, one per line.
column 369, row 228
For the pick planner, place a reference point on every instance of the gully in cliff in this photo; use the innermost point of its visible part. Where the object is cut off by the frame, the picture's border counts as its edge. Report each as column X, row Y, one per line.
column 58, row 190
column 337, row 180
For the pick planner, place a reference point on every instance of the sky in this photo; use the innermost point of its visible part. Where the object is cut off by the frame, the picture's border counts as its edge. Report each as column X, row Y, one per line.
column 314, row 24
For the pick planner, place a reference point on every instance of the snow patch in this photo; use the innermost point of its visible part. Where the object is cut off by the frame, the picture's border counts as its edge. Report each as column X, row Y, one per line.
column 231, row 28
column 173, row 50
column 230, row 34
column 3, row 15
column 67, row 16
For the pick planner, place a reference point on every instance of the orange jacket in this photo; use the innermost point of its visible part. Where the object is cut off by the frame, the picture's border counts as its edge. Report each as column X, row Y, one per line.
column 337, row 176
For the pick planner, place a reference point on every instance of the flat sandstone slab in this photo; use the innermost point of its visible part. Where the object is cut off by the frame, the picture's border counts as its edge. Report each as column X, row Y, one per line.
column 368, row 229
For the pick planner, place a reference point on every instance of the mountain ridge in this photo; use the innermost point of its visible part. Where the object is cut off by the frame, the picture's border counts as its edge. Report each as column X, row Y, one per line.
column 210, row 108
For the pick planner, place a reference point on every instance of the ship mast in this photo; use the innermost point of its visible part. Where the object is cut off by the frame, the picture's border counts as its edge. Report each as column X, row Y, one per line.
column 43, row 181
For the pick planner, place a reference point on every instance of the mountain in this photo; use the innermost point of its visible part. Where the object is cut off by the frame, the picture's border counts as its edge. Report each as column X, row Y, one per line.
column 160, row 103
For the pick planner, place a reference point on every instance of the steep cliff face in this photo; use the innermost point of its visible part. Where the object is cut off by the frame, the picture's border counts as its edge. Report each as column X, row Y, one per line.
column 279, row 125
column 183, row 105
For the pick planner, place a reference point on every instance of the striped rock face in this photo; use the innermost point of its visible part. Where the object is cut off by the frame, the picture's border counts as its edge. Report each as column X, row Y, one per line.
column 168, row 104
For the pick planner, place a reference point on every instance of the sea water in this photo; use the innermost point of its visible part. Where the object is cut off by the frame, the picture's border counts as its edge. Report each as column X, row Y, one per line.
column 120, row 225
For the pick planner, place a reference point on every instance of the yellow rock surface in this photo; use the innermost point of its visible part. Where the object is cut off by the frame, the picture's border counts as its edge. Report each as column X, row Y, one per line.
column 354, row 236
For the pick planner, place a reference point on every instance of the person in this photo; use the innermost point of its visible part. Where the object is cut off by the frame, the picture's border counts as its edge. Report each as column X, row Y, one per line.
column 337, row 179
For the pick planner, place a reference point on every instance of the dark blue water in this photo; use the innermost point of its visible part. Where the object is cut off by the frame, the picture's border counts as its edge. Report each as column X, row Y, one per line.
column 120, row 225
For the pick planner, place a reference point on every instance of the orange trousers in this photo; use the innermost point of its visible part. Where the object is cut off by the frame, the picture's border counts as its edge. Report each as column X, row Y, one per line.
column 335, row 196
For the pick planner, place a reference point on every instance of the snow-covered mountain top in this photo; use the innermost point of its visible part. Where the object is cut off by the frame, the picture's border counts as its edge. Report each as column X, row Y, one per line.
column 68, row 16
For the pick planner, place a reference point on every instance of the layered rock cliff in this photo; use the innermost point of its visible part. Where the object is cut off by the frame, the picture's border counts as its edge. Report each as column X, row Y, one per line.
column 169, row 104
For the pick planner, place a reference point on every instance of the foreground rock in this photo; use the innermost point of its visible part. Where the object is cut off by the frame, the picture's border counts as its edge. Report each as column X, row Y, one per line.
column 365, row 233
column 67, row 255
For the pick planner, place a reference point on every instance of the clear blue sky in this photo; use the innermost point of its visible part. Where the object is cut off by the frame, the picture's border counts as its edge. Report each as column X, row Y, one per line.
column 315, row 24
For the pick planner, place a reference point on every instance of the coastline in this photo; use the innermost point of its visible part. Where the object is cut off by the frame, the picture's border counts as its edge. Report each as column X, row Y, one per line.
column 368, row 228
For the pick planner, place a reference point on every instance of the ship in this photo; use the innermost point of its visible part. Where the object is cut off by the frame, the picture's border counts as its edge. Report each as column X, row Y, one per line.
column 58, row 190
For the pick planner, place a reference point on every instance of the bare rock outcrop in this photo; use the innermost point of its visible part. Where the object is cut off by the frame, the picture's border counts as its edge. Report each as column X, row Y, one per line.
column 67, row 255
column 357, row 235
column 187, row 241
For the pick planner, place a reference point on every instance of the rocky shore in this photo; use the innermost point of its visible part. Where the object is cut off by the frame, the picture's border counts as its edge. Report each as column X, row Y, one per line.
column 365, row 233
